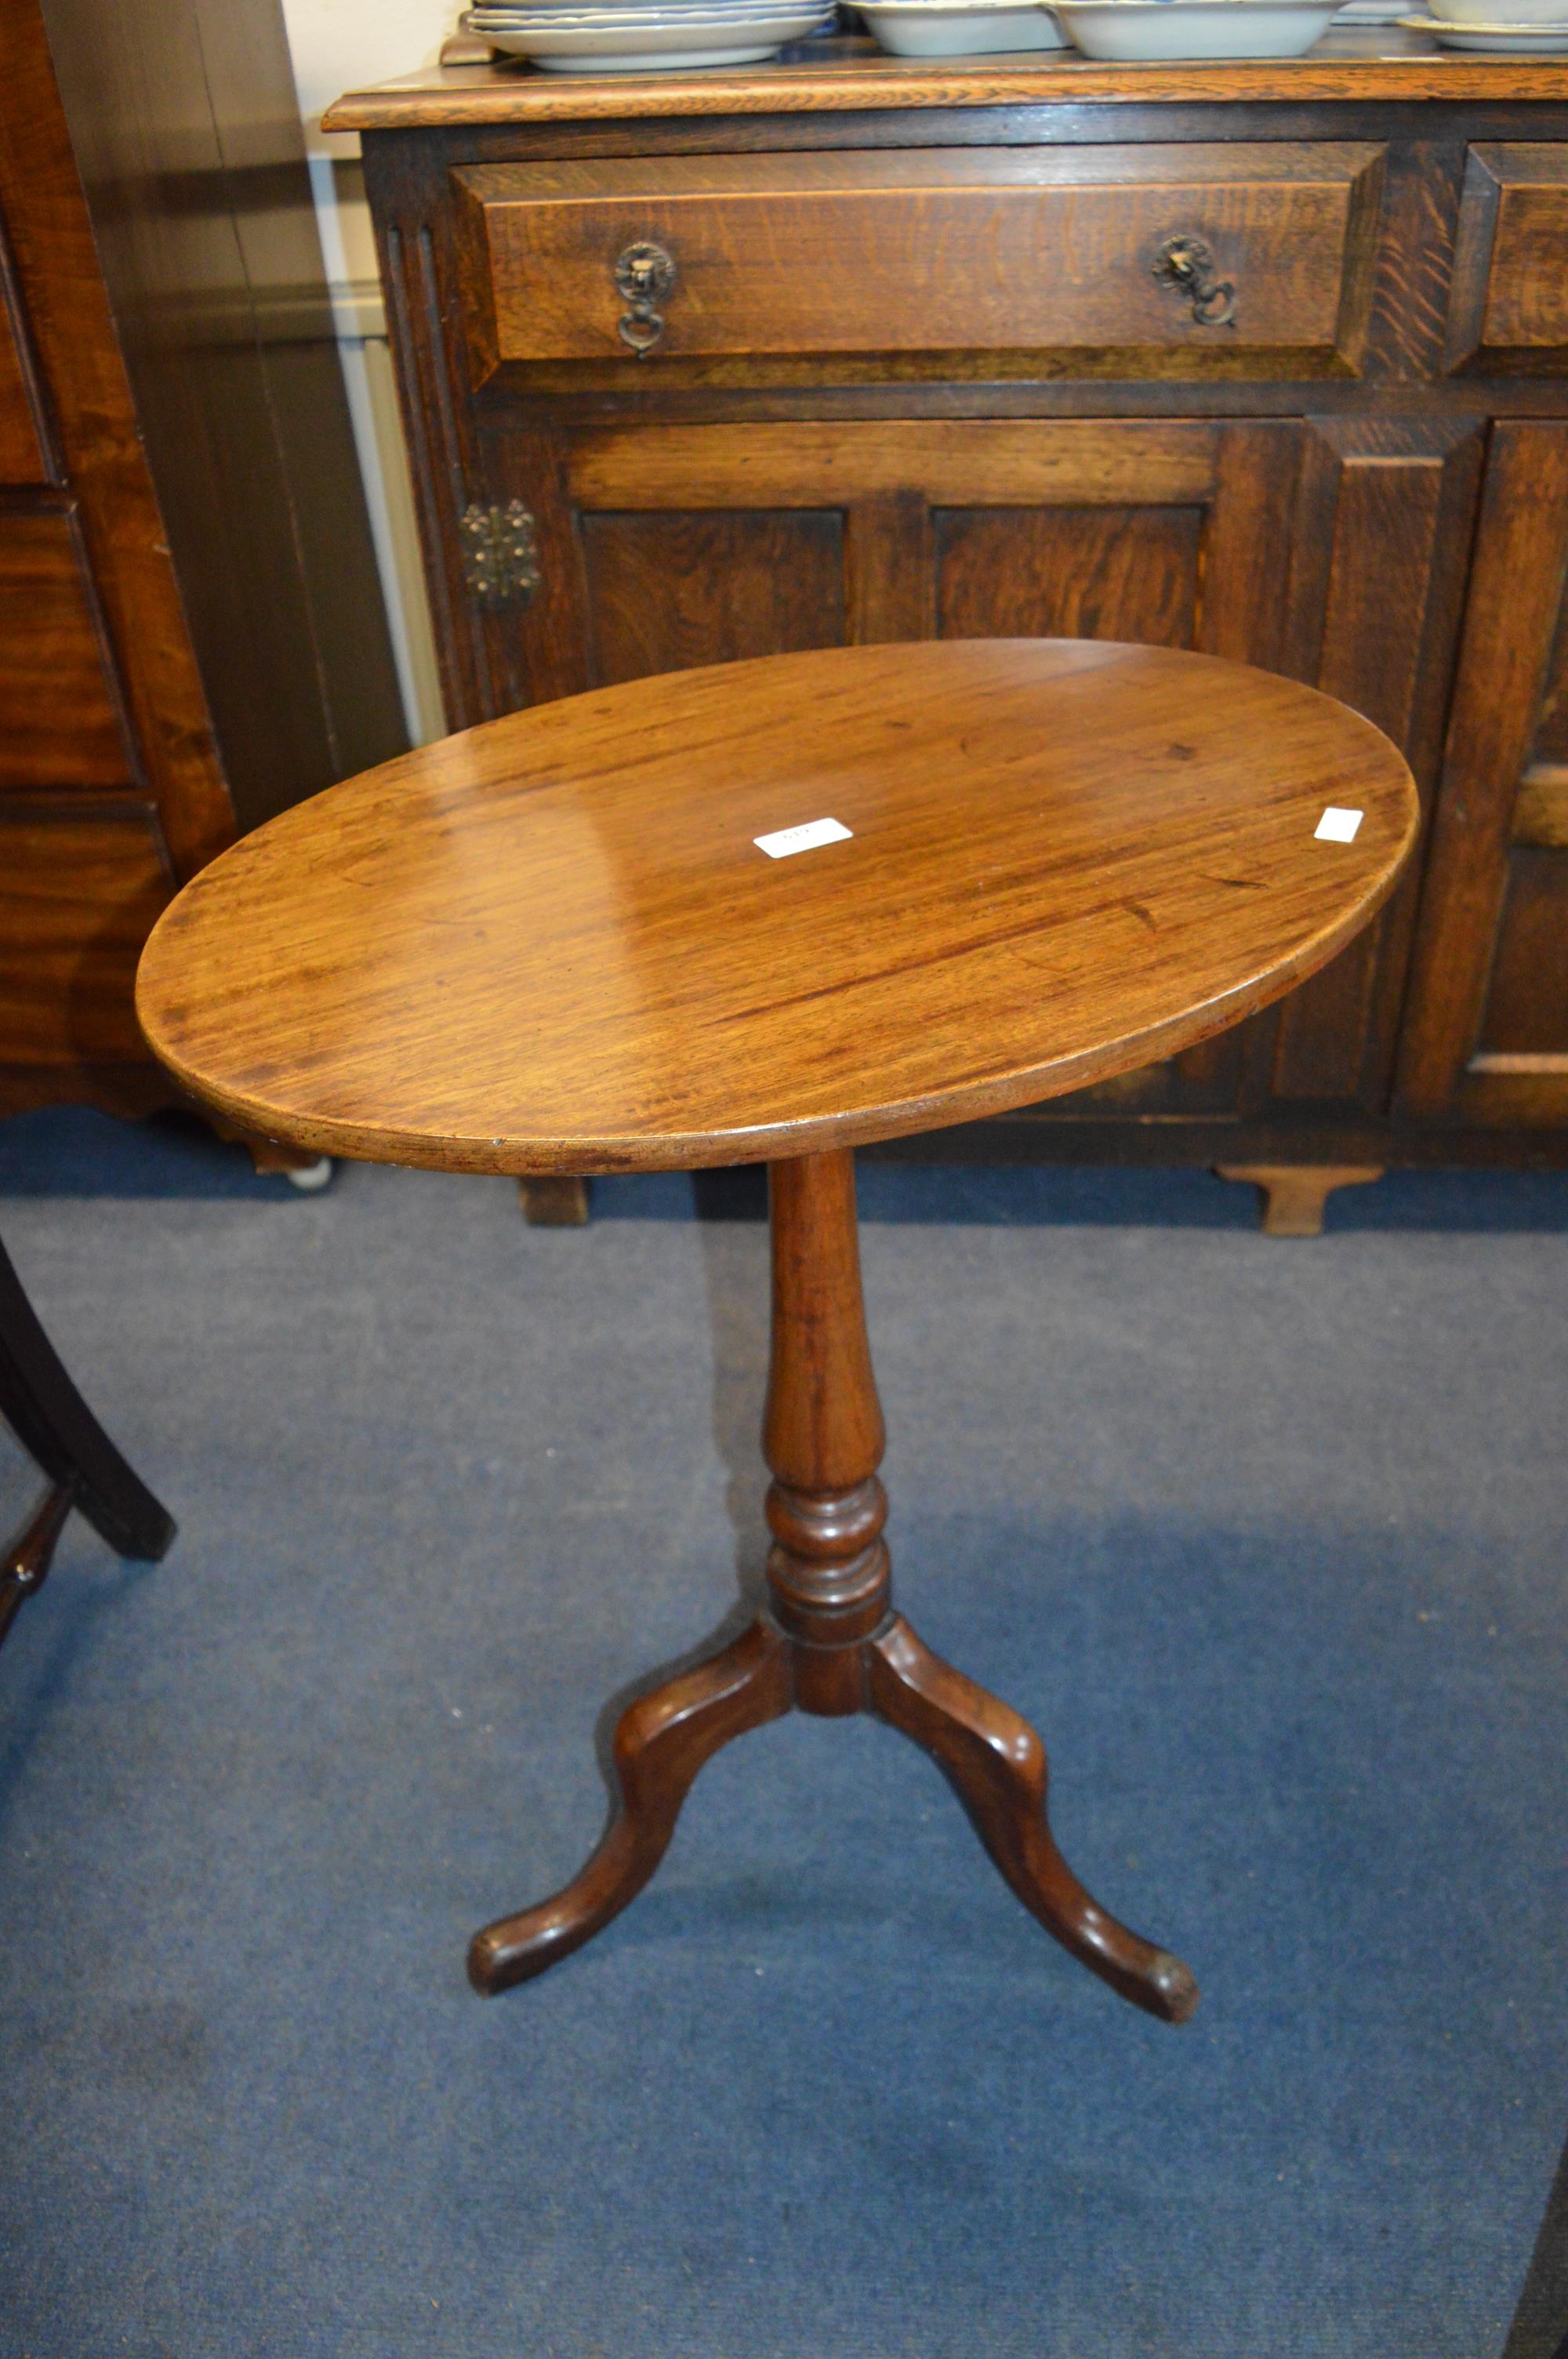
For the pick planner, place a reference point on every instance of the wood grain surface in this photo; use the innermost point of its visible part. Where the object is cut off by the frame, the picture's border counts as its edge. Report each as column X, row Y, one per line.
column 921, row 250
column 846, row 76
column 550, row 944
column 85, row 877
column 22, row 457
column 63, row 719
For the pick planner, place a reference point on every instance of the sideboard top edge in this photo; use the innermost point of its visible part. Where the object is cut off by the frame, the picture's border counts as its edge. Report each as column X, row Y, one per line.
column 851, row 76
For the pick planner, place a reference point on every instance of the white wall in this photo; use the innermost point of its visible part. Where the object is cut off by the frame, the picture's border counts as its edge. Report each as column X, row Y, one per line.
column 340, row 45
column 337, row 45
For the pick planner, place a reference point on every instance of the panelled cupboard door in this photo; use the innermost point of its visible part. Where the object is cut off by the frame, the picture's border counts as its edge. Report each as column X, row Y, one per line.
column 1382, row 528
column 665, row 546
column 1486, row 1036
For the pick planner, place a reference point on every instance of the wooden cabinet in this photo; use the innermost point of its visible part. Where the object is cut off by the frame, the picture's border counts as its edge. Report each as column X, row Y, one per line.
column 164, row 678
column 911, row 360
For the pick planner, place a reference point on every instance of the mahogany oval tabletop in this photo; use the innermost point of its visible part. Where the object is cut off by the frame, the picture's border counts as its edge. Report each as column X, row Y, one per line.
column 552, row 943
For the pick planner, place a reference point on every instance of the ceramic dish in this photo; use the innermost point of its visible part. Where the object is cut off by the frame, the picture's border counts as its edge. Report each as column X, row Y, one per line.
column 939, row 28
column 1134, row 31
column 620, row 19
column 550, row 17
column 1499, row 40
column 1371, row 12
column 649, row 42
column 541, row 14
column 646, row 60
column 626, row 28
column 1514, row 14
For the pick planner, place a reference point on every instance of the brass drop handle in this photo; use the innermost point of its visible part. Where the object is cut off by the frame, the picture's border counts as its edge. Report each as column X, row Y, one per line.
column 645, row 275
column 1187, row 263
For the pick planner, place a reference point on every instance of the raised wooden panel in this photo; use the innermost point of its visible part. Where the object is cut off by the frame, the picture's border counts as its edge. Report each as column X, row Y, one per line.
column 1541, row 812
column 1527, row 1000
column 59, row 718
column 83, row 888
column 1487, row 1029
column 937, row 250
column 1550, row 745
column 954, row 463
column 1071, row 573
column 670, row 591
column 1508, row 309
column 1380, row 539
column 702, row 543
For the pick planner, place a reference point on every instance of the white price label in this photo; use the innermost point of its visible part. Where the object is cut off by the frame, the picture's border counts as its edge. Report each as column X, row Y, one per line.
column 787, row 840
column 1339, row 826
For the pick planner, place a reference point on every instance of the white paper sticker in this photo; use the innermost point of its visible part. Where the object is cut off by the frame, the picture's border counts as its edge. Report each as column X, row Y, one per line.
column 1339, row 826
column 785, row 839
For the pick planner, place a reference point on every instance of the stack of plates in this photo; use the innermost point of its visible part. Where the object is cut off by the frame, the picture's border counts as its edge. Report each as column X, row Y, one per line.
column 1526, row 28
column 645, row 36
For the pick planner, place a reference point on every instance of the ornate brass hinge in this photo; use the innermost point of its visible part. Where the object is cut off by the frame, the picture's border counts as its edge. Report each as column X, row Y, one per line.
column 500, row 555
column 1187, row 263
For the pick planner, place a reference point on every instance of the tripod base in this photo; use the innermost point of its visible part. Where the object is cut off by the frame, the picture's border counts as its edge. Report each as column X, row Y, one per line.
column 992, row 1756
column 830, row 1644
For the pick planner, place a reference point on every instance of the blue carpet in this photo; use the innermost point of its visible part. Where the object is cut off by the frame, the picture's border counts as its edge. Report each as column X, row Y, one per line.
column 1270, row 1539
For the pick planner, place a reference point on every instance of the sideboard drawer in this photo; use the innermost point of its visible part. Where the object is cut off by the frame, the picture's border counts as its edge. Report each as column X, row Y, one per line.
column 1259, row 250
column 1510, row 304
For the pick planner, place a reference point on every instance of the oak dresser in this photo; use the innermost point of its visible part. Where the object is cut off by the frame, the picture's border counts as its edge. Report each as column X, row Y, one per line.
column 1267, row 361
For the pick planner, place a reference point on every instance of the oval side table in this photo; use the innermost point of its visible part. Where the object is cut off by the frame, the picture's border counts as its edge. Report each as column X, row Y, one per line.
column 767, row 911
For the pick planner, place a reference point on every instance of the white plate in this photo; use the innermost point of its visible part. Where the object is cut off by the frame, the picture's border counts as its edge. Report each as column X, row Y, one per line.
column 628, row 31
column 1374, row 12
column 1134, row 31
column 627, row 49
column 1500, row 41
column 1515, row 15
column 632, row 12
column 938, row 28
column 712, row 18
column 548, row 16
column 659, row 61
